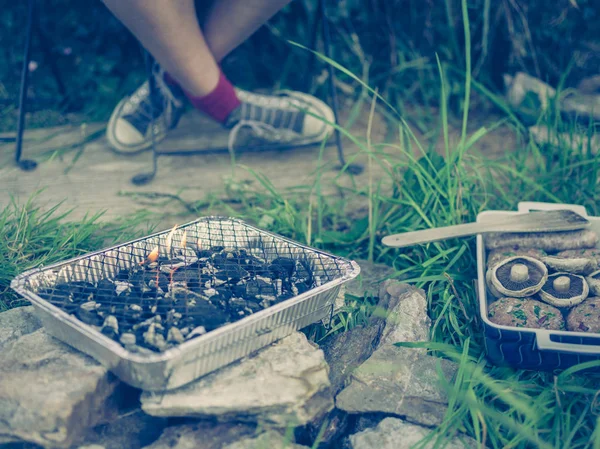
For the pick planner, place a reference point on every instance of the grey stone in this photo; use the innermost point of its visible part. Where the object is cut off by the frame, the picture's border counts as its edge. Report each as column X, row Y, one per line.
column 16, row 323
column 50, row 394
column 267, row 440
column 202, row 435
column 346, row 351
column 134, row 430
column 405, row 310
column 394, row 433
column 285, row 384
column 401, row 382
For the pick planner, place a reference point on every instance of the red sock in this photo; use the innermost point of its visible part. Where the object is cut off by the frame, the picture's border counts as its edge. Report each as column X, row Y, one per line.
column 219, row 103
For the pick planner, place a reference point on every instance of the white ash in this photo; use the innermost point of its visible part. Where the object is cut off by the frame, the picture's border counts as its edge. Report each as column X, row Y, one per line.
column 217, row 282
column 89, row 306
column 294, row 289
column 185, row 331
column 174, row 336
column 136, row 307
column 154, row 339
column 122, row 287
column 278, row 286
column 196, row 332
column 111, row 322
column 210, row 292
column 208, row 284
column 127, row 339
column 147, row 323
column 264, row 279
column 318, row 282
column 175, row 287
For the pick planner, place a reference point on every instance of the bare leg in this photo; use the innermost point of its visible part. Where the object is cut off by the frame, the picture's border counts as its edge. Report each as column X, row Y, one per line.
column 230, row 22
column 169, row 30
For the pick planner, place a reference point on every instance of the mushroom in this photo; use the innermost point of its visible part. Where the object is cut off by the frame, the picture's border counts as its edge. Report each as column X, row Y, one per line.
column 564, row 290
column 576, row 265
column 498, row 255
column 593, row 280
column 517, row 277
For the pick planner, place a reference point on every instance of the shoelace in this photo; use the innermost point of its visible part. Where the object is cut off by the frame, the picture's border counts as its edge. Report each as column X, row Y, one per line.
column 264, row 125
column 143, row 99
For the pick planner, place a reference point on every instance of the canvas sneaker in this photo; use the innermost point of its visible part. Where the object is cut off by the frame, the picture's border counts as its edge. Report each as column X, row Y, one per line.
column 286, row 117
column 129, row 128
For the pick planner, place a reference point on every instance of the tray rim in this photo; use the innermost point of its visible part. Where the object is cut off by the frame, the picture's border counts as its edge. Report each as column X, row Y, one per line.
column 481, row 290
column 17, row 284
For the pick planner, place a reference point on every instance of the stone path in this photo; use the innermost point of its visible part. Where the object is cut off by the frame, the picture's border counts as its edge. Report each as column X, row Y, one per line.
column 357, row 390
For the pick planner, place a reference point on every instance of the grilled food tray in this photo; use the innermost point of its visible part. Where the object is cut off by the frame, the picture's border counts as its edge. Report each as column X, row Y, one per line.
column 524, row 348
column 191, row 359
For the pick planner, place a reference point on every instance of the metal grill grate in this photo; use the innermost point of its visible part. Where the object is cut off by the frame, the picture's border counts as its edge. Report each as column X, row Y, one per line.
column 207, row 274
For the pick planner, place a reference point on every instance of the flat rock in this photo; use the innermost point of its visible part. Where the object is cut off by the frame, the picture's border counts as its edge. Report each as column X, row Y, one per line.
column 285, row 384
column 50, row 394
column 202, row 435
column 347, row 351
column 267, row 440
column 404, row 308
column 16, row 323
column 398, row 381
column 394, row 433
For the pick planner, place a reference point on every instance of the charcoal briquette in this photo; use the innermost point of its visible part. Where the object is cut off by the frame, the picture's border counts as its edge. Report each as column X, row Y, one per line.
column 286, row 263
column 174, row 336
column 127, row 339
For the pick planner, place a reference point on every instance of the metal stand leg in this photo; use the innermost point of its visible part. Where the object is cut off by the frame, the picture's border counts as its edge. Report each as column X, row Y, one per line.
column 25, row 164
column 145, row 178
column 351, row 168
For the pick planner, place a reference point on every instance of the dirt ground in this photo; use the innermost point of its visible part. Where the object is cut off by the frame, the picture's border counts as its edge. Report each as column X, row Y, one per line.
column 76, row 166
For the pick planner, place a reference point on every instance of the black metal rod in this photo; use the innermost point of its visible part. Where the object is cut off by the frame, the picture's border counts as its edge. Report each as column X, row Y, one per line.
column 24, row 82
column 332, row 91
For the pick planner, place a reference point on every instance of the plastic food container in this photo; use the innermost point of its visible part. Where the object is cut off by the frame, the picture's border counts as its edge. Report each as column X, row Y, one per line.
column 536, row 349
column 196, row 357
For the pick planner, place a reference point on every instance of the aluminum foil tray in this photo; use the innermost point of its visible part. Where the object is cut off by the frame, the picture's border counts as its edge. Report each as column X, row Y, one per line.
column 191, row 359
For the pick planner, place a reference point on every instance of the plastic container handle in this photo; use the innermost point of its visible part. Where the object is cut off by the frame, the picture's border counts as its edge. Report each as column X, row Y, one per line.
column 545, row 344
column 527, row 206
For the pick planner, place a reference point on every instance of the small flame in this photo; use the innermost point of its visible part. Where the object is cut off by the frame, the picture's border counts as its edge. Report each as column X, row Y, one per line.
column 169, row 239
column 184, row 239
column 153, row 256
column 199, row 243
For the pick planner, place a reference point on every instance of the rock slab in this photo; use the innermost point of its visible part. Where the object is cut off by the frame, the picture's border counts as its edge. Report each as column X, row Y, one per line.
column 285, row 384
column 401, row 382
column 394, row 433
column 39, row 400
column 405, row 311
column 202, row 435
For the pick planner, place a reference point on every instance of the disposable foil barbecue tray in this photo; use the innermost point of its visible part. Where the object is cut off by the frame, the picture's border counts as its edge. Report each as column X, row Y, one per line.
column 166, row 309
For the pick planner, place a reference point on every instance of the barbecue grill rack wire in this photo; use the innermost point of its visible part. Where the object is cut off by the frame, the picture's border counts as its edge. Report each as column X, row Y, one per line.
column 201, row 354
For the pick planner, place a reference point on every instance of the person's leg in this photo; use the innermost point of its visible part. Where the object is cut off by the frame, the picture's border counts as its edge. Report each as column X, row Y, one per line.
column 231, row 22
column 169, row 30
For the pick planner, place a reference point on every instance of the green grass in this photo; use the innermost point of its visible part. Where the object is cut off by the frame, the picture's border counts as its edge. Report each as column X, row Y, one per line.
column 31, row 236
column 499, row 407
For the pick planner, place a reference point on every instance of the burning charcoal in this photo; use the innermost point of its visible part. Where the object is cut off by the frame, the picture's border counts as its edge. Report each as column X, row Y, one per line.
column 302, row 272
column 196, row 332
column 278, row 284
column 153, row 337
column 255, row 266
column 239, row 308
column 87, row 313
column 266, row 301
column 204, row 314
column 140, row 350
column 185, row 331
column 204, row 254
column 147, row 323
column 231, row 273
column 283, row 262
column 217, row 249
column 122, row 287
column 301, row 287
column 127, row 339
column 174, row 336
column 110, row 327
